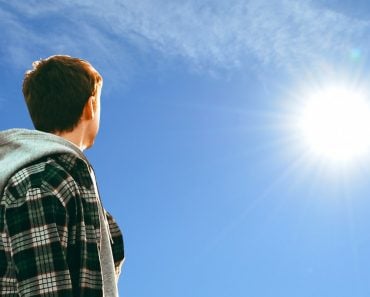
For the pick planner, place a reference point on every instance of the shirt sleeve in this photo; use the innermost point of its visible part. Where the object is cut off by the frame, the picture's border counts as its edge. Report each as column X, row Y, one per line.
column 117, row 244
column 38, row 230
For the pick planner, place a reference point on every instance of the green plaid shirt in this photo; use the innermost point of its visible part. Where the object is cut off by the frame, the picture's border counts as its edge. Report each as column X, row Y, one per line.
column 50, row 231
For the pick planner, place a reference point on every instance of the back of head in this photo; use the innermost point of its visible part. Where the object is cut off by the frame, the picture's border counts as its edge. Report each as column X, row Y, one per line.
column 56, row 91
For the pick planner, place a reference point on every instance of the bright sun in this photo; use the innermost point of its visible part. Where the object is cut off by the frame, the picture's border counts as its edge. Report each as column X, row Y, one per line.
column 335, row 124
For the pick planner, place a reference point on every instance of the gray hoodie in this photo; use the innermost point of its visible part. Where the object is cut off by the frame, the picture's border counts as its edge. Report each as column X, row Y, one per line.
column 20, row 147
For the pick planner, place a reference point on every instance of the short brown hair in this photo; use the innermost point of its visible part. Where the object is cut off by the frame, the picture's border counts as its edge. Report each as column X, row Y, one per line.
column 56, row 91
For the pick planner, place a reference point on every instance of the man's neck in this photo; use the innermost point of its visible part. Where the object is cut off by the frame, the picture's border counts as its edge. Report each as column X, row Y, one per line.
column 76, row 137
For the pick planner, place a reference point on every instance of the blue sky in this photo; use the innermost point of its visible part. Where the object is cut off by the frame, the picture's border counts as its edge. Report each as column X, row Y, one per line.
column 196, row 157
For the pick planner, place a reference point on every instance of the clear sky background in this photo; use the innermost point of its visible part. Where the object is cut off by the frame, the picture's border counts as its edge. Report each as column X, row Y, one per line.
column 197, row 156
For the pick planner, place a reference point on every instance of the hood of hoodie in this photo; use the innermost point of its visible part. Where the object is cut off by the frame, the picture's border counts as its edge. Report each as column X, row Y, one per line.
column 19, row 147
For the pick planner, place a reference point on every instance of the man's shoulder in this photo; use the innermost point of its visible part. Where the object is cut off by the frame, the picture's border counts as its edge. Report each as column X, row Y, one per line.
column 54, row 173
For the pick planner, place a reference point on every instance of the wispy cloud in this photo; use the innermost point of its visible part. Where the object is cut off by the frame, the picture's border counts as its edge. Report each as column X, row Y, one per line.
column 228, row 34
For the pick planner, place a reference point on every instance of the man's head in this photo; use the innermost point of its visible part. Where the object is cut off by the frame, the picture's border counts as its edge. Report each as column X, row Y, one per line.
column 58, row 90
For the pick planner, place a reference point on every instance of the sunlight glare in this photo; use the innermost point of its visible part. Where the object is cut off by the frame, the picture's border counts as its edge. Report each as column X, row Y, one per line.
column 335, row 123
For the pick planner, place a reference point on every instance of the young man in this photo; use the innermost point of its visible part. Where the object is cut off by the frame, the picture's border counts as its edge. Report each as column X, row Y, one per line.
column 56, row 237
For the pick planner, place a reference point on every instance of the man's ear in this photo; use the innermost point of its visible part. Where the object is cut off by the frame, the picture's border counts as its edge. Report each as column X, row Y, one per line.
column 89, row 110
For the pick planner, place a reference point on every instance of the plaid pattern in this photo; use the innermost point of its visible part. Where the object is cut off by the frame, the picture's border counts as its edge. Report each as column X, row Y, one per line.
column 50, row 231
